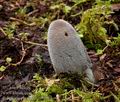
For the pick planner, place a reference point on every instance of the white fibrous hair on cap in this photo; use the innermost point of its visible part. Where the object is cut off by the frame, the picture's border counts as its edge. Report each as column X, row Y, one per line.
column 67, row 51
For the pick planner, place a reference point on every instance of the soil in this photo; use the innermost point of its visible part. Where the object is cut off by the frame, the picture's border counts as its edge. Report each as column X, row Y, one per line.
column 14, row 80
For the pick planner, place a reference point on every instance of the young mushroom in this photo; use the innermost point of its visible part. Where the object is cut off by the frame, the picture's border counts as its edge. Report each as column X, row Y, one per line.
column 67, row 51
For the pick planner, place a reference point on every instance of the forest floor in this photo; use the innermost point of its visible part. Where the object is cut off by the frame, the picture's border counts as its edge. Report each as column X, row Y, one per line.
column 23, row 56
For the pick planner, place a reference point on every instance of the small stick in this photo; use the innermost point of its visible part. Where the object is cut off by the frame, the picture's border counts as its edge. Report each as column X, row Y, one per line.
column 3, row 31
column 58, row 98
column 21, row 21
column 32, row 12
column 72, row 96
column 23, row 55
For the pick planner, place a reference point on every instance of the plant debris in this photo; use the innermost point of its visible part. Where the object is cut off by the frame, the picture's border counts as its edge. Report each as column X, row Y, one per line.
column 23, row 53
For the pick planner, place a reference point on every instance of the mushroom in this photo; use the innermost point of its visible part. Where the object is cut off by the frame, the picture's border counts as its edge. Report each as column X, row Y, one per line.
column 67, row 51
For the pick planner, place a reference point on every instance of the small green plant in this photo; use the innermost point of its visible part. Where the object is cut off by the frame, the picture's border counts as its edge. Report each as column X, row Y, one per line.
column 41, row 21
column 79, row 1
column 88, row 96
column 116, row 97
column 115, row 41
column 61, row 90
column 21, row 12
column 91, row 25
column 81, row 96
column 40, row 96
column 115, row 1
column 10, row 29
column 2, row 68
column 39, row 60
column 40, row 82
column 8, row 60
column 65, row 8
column 23, row 36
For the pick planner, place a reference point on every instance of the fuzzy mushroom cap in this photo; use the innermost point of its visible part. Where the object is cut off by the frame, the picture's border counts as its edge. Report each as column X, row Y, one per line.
column 67, row 52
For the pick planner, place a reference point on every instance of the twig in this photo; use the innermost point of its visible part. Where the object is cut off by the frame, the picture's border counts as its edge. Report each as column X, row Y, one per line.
column 33, row 43
column 37, row 44
column 116, row 98
column 74, row 15
column 3, row 31
column 23, row 55
column 21, row 21
column 105, row 48
column 72, row 96
column 32, row 12
column 58, row 98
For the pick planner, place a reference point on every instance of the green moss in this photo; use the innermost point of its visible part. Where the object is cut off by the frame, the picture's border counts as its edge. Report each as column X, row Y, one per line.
column 91, row 25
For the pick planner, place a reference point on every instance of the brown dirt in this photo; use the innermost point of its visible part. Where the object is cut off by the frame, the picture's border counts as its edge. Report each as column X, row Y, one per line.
column 13, row 81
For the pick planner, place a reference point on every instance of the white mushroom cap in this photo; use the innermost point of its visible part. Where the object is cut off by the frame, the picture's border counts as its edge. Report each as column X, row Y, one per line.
column 67, row 52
